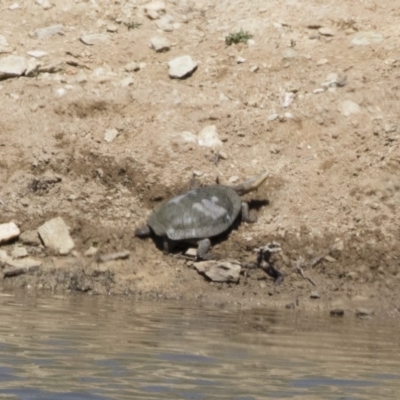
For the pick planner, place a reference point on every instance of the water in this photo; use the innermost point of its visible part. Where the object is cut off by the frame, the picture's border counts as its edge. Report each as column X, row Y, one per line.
column 98, row 348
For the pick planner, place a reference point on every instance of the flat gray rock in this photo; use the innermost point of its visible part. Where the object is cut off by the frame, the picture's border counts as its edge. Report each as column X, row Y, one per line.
column 166, row 23
column 55, row 235
column 48, row 31
column 37, row 53
column 30, row 238
column 95, row 38
column 181, row 67
column 19, row 252
column 12, row 66
column 366, row 38
column 8, row 231
column 208, row 137
column 160, row 44
column 349, row 107
column 218, row 271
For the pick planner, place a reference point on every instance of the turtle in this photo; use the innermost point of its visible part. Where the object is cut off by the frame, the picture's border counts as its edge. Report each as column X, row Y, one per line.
column 200, row 214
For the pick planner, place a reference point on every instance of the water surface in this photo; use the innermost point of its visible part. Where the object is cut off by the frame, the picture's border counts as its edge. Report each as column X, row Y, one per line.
column 98, row 348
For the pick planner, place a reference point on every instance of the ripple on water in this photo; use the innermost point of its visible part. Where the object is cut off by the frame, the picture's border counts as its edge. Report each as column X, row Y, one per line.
column 82, row 347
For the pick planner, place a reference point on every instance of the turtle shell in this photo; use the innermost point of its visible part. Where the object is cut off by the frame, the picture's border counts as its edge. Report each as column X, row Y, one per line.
column 200, row 213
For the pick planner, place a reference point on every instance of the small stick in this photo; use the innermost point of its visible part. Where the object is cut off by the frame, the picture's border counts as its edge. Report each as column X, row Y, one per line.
column 301, row 272
column 113, row 256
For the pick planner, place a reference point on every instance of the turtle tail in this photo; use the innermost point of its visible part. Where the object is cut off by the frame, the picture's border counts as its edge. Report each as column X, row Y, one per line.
column 143, row 231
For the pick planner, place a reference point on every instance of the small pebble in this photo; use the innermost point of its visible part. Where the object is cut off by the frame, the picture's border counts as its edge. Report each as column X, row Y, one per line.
column 132, row 67
column 91, row 251
column 233, row 179
column 223, row 155
column 314, row 295
column 326, row 31
column 363, row 312
column 110, row 135
column 337, row 312
column 191, row 252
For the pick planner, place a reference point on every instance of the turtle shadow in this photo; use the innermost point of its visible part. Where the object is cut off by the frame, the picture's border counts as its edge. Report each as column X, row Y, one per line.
column 257, row 204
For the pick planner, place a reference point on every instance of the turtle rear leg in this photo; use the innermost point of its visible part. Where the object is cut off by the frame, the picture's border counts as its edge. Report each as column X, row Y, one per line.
column 246, row 214
column 203, row 249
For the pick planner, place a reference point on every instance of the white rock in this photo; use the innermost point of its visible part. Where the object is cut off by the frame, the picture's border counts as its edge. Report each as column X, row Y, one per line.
column 273, row 117
column 3, row 255
column 335, row 80
column 166, row 23
column 8, row 231
column 158, row 6
column 37, row 53
column 208, row 137
column 287, row 99
column 324, row 31
column 24, row 263
column 128, row 81
column 367, row 38
column 322, row 61
column 112, row 28
column 181, row 67
column 160, row 44
column 251, row 42
column 14, row 6
column 60, row 92
column 94, row 38
column 44, row 3
column 4, row 47
column 19, row 252
column 191, row 252
column 233, row 179
column 110, row 135
column 44, row 33
column 132, row 67
column 220, row 271
column 349, row 107
column 81, row 77
column 223, row 155
column 11, row 66
column 288, row 115
column 152, row 14
column 240, row 60
column 289, row 54
column 32, row 67
column 55, row 235
column 91, row 251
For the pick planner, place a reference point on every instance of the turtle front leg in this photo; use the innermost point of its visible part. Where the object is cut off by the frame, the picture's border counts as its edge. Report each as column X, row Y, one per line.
column 202, row 249
column 246, row 217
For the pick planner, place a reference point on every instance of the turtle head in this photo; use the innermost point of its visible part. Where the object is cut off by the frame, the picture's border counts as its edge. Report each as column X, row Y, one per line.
column 251, row 184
